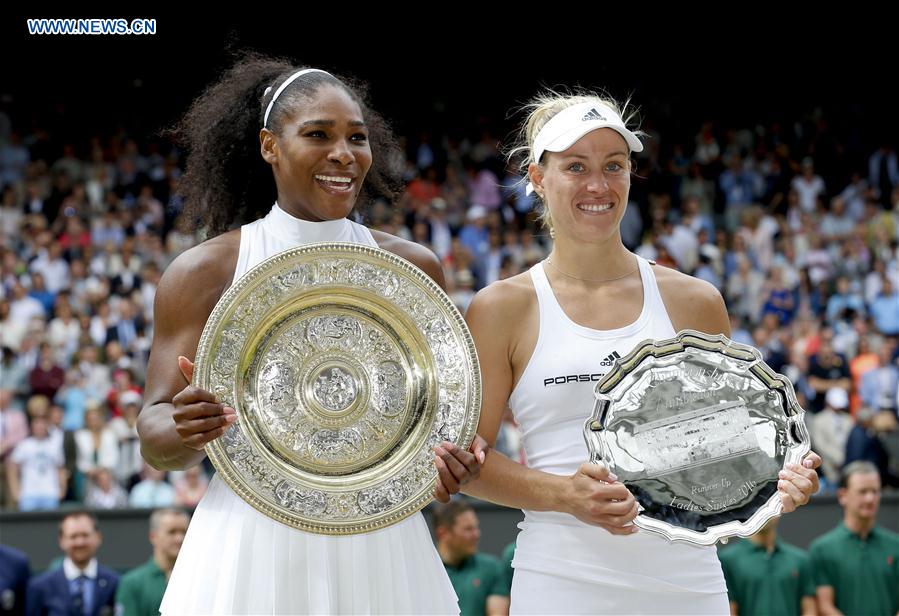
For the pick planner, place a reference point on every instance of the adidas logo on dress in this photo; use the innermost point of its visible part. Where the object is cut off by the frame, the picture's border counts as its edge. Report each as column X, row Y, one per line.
column 610, row 360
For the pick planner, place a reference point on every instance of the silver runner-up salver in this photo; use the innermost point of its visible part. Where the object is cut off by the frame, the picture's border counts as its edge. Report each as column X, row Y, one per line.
column 697, row 427
column 346, row 365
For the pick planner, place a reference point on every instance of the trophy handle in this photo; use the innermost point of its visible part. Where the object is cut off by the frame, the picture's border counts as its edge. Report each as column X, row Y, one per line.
column 797, row 430
column 593, row 427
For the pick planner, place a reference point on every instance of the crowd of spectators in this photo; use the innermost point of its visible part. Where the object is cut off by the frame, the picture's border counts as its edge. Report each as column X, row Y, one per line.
column 798, row 235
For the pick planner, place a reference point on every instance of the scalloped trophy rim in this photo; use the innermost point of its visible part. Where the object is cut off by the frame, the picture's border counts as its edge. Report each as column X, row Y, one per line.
column 661, row 348
column 422, row 494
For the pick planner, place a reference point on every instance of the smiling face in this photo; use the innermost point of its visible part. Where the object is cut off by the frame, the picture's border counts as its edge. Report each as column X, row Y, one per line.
column 461, row 540
column 321, row 157
column 586, row 186
column 79, row 539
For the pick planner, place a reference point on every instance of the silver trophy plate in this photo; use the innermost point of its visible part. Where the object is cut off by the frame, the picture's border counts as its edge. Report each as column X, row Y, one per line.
column 346, row 365
column 697, row 427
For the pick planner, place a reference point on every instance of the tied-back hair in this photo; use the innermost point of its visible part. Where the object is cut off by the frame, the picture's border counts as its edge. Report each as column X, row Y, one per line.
column 227, row 182
column 541, row 109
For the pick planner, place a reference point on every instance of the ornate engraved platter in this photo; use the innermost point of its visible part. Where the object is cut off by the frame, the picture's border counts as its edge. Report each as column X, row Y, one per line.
column 346, row 365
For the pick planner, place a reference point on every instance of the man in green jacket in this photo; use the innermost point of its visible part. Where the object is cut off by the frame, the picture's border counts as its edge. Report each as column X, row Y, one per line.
column 477, row 578
column 768, row 577
column 856, row 565
column 140, row 590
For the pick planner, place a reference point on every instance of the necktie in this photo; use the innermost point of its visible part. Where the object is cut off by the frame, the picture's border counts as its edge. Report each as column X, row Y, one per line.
column 88, row 595
column 78, row 595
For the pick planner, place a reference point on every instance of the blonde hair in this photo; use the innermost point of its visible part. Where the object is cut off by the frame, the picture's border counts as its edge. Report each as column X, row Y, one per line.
column 541, row 110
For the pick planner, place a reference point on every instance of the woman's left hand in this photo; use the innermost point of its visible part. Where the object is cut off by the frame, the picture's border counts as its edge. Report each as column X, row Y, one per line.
column 797, row 483
column 456, row 467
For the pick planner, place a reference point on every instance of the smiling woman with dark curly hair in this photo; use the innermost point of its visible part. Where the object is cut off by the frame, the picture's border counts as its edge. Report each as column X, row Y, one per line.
column 326, row 150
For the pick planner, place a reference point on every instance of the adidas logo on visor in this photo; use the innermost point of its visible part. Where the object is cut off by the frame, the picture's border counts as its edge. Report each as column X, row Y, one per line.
column 593, row 114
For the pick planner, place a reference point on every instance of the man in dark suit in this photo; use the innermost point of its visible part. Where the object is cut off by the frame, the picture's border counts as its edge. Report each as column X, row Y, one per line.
column 80, row 587
column 14, row 574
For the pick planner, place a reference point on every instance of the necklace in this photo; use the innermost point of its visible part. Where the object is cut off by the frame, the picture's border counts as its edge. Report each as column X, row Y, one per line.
column 553, row 265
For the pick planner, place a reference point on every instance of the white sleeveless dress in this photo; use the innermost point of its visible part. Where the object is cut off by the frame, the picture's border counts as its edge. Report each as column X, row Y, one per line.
column 236, row 560
column 562, row 565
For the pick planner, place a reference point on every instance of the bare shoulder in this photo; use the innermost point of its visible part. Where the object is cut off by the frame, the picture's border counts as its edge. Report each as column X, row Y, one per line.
column 692, row 303
column 504, row 320
column 504, row 302
column 203, row 272
column 209, row 253
column 416, row 254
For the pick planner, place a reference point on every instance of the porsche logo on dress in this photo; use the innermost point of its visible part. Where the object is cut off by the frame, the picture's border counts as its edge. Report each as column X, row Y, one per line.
column 586, row 377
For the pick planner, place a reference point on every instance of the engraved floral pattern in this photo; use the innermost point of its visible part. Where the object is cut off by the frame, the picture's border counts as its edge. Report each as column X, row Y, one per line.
column 345, row 363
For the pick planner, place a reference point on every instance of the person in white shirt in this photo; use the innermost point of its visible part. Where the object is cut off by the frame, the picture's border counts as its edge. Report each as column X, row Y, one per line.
column 96, row 446
column 829, row 430
column 153, row 491
column 808, row 186
column 104, row 492
column 36, row 469
column 125, row 429
column 23, row 307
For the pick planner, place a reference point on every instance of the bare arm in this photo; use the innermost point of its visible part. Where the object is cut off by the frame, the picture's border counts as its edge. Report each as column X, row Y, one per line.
column 63, row 482
column 808, row 607
column 826, row 606
column 590, row 494
column 178, row 419
column 734, row 610
column 497, row 605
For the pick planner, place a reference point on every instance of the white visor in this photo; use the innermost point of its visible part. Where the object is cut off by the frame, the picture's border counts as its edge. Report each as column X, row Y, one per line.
column 572, row 123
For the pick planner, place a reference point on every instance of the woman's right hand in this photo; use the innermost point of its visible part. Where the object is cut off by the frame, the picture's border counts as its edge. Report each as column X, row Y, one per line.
column 199, row 418
column 597, row 499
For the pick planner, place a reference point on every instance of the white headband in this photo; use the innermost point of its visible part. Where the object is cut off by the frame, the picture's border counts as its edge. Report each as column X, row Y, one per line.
column 572, row 123
column 283, row 86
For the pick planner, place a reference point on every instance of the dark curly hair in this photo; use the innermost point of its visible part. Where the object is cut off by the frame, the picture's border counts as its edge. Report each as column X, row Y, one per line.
column 226, row 181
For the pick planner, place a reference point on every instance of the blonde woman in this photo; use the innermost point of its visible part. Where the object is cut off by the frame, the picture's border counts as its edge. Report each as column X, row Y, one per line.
column 590, row 299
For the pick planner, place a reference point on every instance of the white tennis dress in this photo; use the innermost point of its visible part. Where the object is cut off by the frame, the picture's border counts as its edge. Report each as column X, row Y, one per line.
column 563, row 566
column 236, row 560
